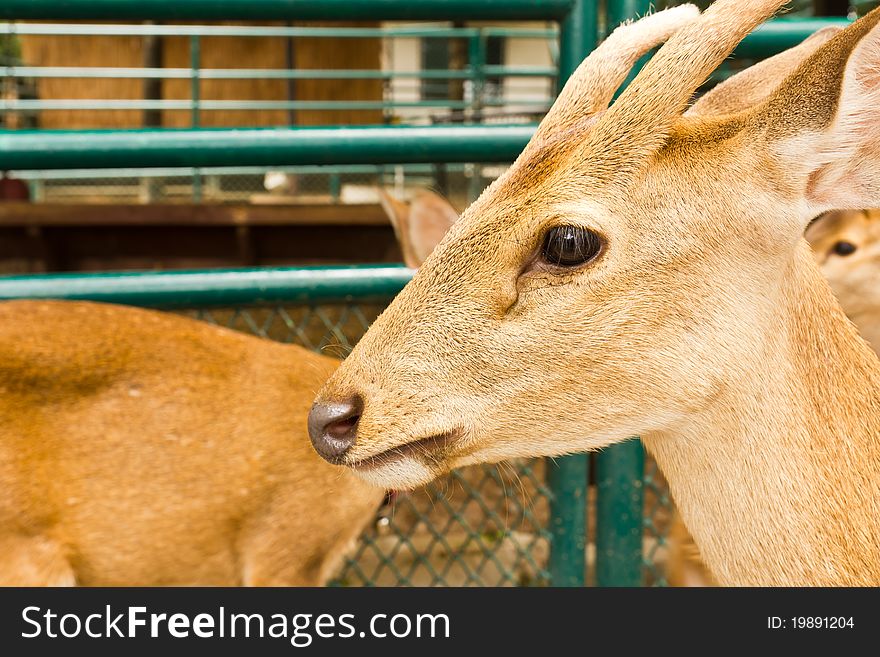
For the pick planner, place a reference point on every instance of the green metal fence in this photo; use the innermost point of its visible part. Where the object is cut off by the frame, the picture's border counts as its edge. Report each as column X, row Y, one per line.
column 478, row 98
column 468, row 529
column 479, row 86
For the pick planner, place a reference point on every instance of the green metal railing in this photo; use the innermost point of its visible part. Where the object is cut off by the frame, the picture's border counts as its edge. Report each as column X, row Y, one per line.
column 477, row 69
column 59, row 149
column 304, row 10
column 259, row 301
column 400, row 102
column 216, row 288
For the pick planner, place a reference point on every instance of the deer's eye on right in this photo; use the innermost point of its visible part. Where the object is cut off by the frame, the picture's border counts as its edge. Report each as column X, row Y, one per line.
column 570, row 246
column 844, row 248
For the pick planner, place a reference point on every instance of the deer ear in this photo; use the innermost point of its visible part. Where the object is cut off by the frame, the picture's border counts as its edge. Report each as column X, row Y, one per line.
column 419, row 226
column 826, row 117
column 430, row 217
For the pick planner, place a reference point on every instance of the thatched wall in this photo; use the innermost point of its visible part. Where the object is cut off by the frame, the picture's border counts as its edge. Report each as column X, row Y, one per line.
column 343, row 54
column 85, row 51
column 216, row 52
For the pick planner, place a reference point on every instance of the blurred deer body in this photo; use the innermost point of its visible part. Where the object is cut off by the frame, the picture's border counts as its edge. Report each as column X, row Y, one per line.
column 639, row 271
column 143, row 448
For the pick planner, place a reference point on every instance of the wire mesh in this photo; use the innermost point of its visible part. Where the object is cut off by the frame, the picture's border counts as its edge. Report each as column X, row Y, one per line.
column 480, row 526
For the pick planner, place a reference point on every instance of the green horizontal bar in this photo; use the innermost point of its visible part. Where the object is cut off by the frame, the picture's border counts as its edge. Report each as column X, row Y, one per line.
column 520, row 71
column 77, row 104
column 117, row 72
column 183, row 172
column 61, row 149
column 397, row 32
column 778, row 35
column 284, row 9
column 224, row 287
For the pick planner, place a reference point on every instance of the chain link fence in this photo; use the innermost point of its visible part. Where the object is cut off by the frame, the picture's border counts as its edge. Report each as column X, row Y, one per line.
column 480, row 526
column 304, row 184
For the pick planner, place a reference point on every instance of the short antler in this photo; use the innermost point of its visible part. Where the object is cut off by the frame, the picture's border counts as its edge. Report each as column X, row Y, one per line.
column 639, row 121
column 591, row 87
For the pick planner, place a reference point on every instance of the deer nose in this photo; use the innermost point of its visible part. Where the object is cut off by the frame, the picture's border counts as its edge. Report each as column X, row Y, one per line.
column 333, row 427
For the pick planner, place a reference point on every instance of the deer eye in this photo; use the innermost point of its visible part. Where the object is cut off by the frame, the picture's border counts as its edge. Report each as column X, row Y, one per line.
column 570, row 246
column 844, row 248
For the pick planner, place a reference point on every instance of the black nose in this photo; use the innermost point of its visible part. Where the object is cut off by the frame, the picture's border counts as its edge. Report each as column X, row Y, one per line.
column 333, row 427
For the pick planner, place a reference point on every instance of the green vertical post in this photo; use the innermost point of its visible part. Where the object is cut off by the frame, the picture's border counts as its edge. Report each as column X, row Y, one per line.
column 578, row 35
column 195, row 63
column 477, row 48
column 335, row 186
column 620, row 468
column 619, row 509
column 568, row 477
column 622, row 10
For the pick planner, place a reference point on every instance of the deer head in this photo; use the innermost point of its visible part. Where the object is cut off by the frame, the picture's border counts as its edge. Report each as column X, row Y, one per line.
column 628, row 268
column 846, row 245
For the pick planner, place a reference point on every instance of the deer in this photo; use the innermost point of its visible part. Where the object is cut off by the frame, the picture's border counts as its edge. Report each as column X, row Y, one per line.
column 144, row 448
column 639, row 271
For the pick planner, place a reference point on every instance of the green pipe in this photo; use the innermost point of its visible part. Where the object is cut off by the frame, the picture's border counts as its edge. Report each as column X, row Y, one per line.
column 619, row 510
column 74, row 104
column 621, row 10
column 476, row 61
column 568, row 477
column 578, row 36
column 86, row 174
column 195, row 63
column 118, row 72
column 195, row 59
column 217, row 287
column 403, row 32
column 60, row 149
column 323, row 10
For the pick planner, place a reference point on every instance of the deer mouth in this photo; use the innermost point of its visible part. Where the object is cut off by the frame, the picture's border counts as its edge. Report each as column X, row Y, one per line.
column 432, row 451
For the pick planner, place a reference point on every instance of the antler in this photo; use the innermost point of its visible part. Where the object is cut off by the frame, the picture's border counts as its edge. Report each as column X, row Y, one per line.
column 591, row 87
column 638, row 123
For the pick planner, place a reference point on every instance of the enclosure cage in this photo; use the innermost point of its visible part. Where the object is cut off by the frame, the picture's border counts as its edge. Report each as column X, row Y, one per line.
column 571, row 521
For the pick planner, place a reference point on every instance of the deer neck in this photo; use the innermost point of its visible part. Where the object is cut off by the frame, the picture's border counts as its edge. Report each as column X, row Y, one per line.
column 778, row 477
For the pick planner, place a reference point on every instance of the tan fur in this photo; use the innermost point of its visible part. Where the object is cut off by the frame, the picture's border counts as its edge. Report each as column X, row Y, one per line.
column 855, row 280
column 752, row 86
column 704, row 325
column 142, row 448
